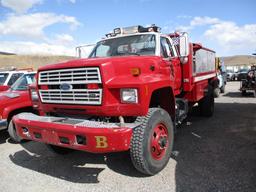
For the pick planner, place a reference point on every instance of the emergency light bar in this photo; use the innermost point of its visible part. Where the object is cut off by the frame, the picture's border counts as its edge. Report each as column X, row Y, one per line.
column 133, row 30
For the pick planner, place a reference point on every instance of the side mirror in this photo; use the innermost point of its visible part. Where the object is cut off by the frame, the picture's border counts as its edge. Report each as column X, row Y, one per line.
column 184, row 45
column 83, row 51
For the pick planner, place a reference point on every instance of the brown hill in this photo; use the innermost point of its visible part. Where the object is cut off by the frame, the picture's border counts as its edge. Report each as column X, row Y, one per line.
column 239, row 60
column 29, row 61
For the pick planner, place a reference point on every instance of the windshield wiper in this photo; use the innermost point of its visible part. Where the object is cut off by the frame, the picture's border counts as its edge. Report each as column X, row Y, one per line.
column 131, row 53
column 128, row 53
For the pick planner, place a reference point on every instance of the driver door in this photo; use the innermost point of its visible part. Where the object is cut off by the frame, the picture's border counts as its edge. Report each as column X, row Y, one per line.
column 171, row 58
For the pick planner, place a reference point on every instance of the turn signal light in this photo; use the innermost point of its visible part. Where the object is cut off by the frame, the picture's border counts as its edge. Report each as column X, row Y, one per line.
column 135, row 71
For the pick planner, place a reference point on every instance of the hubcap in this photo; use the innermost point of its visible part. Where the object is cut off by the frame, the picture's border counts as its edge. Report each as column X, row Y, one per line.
column 159, row 141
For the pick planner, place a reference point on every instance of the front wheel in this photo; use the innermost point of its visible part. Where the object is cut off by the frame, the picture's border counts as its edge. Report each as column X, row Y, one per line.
column 152, row 141
column 13, row 132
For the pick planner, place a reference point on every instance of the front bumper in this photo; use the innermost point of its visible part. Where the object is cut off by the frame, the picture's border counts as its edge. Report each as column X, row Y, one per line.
column 85, row 135
column 3, row 124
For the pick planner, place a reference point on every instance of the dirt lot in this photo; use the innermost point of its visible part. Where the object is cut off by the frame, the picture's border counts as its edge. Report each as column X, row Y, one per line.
column 215, row 154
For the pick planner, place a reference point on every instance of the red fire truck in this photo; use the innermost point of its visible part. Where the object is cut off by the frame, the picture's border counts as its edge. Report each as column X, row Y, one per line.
column 128, row 95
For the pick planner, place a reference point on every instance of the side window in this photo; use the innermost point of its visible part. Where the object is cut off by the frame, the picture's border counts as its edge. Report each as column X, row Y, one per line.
column 14, row 77
column 166, row 48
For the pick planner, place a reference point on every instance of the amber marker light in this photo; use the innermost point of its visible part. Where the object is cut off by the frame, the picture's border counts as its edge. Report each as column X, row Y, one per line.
column 135, row 71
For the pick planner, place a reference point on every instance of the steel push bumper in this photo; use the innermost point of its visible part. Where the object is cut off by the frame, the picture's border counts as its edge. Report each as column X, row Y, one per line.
column 85, row 135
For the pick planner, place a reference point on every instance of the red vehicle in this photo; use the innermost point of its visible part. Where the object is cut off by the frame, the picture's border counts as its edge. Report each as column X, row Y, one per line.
column 14, row 101
column 129, row 94
column 9, row 77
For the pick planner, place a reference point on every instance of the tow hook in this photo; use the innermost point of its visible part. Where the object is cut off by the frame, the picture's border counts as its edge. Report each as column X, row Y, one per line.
column 121, row 119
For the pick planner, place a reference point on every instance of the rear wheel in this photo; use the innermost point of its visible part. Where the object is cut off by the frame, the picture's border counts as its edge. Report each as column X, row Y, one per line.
column 59, row 150
column 13, row 132
column 152, row 142
column 216, row 92
column 206, row 104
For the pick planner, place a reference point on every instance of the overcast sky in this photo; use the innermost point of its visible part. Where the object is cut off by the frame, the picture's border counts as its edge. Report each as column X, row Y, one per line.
column 58, row 26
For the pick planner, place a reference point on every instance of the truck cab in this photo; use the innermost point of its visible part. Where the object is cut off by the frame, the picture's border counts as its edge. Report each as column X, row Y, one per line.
column 15, row 100
column 9, row 77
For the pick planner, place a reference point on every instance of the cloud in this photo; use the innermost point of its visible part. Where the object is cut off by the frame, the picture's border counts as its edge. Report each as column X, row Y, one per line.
column 198, row 21
column 64, row 39
column 20, row 6
column 23, row 47
column 232, row 37
column 33, row 25
column 30, row 29
column 228, row 36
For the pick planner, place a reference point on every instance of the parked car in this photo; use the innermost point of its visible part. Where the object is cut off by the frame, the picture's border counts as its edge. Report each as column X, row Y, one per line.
column 8, row 78
column 14, row 101
column 230, row 75
column 242, row 74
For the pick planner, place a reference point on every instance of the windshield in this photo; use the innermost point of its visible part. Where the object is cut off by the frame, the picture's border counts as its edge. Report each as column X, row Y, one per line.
column 123, row 46
column 3, row 77
column 243, row 70
column 22, row 83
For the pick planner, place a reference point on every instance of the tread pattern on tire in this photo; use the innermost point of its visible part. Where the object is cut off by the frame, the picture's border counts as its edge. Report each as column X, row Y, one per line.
column 138, row 136
column 137, row 148
column 13, row 134
column 205, row 103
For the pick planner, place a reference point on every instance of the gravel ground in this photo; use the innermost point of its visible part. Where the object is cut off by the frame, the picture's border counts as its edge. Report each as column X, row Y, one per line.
column 210, row 154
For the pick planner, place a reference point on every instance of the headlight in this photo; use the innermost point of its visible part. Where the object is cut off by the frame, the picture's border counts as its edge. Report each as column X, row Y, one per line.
column 129, row 95
column 34, row 95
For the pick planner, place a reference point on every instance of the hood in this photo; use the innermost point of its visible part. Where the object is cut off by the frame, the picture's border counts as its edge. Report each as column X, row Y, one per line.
column 6, row 95
column 112, row 68
column 138, row 61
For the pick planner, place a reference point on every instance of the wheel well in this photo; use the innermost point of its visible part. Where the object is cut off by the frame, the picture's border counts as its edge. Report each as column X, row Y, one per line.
column 164, row 98
column 15, row 112
column 214, row 82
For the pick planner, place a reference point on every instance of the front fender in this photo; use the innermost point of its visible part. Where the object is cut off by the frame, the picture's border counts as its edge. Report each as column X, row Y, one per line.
column 146, row 85
column 17, row 106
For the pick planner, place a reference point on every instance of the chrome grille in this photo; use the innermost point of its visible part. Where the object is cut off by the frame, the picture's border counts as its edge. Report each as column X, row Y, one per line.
column 72, row 76
column 75, row 96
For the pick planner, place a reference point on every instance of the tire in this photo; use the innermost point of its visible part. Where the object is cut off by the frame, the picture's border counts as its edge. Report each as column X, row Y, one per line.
column 59, row 150
column 13, row 133
column 152, row 142
column 222, row 89
column 206, row 104
column 216, row 92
